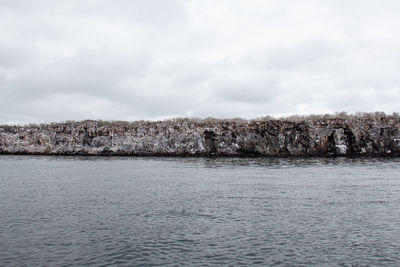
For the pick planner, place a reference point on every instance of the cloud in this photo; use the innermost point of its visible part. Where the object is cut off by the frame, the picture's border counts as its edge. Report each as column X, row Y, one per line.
column 128, row 60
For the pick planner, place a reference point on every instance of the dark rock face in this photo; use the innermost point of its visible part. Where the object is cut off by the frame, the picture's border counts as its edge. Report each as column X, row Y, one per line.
column 351, row 136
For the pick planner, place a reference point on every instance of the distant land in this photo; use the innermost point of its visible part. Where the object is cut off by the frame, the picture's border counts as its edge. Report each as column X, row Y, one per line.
column 363, row 134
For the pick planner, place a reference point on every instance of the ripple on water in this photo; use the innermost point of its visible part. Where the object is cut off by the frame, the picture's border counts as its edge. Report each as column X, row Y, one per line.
column 176, row 211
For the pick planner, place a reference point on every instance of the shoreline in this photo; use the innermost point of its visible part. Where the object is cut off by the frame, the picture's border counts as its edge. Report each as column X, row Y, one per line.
column 250, row 156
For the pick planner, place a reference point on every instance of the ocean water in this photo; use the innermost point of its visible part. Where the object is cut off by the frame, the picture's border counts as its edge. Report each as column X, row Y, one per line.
column 99, row 211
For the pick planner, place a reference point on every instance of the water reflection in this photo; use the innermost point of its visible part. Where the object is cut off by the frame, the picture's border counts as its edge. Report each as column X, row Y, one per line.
column 222, row 162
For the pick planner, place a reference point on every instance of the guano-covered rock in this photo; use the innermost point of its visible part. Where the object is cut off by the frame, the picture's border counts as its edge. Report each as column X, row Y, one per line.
column 322, row 136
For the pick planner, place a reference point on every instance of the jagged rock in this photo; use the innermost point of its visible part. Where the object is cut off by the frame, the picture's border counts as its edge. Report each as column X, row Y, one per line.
column 350, row 136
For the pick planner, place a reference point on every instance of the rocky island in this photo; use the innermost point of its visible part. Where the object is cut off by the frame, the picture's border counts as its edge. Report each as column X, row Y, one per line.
column 373, row 134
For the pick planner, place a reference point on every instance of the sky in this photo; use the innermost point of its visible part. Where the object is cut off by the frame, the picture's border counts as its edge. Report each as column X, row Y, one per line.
column 161, row 59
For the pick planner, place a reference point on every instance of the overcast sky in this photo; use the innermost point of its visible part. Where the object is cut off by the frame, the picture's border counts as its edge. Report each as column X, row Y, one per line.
column 158, row 59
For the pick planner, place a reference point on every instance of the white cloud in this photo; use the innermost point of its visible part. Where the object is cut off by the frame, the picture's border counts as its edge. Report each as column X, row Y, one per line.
column 127, row 60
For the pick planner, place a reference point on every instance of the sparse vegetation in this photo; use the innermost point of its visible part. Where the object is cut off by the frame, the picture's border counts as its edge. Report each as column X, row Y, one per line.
column 208, row 120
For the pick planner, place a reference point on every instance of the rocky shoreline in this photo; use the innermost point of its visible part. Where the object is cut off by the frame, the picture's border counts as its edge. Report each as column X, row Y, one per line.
column 318, row 136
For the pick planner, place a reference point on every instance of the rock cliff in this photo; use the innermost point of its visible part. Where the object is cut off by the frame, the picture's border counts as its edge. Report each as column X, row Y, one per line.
column 305, row 136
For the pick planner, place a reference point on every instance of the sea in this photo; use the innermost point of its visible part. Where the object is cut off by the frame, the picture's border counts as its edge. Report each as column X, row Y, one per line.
column 154, row 211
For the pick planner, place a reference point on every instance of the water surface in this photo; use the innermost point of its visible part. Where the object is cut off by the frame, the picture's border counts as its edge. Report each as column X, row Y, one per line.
column 98, row 211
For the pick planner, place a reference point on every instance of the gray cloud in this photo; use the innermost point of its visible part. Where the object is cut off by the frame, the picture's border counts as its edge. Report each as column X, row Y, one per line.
column 156, row 59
